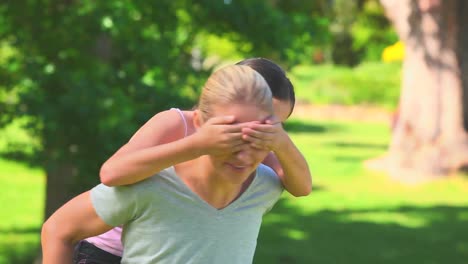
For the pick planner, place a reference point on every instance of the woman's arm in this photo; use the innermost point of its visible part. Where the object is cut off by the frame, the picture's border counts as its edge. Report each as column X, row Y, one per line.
column 287, row 161
column 73, row 222
column 160, row 143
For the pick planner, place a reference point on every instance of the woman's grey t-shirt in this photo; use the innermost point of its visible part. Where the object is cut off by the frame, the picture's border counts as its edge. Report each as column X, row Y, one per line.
column 166, row 222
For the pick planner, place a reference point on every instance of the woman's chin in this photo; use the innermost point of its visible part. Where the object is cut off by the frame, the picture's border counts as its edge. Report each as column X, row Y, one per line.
column 238, row 173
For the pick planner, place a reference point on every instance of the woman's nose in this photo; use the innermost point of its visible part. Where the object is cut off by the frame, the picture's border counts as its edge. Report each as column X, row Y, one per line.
column 244, row 154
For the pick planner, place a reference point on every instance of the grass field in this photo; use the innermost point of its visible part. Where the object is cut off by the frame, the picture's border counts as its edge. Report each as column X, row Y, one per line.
column 369, row 83
column 22, row 202
column 357, row 216
column 352, row 216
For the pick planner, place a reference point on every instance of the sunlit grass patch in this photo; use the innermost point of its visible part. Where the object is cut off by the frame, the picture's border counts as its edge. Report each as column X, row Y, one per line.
column 22, row 202
column 373, row 83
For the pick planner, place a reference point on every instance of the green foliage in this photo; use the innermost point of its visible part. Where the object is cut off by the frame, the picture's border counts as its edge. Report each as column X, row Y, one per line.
column 343, row 13
column 360, row 31
column 373, row 83
column 87, row 74
column 372, row 31
column 274, row 30
column 92, row 72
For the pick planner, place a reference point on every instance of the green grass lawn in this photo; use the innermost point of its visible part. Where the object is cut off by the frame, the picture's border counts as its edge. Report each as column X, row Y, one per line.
column 352, row 216
column 22, row 201
column 374, row 83
column 357, row 216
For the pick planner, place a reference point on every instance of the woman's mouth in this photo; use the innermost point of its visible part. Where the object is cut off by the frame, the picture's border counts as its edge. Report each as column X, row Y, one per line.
column 238, row 167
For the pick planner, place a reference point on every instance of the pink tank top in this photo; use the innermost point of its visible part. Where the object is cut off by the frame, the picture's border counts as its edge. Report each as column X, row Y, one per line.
column 110, row 241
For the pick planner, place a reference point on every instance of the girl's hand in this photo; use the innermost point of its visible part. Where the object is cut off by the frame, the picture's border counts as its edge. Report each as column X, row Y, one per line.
column 269, row 135
column 219, row 136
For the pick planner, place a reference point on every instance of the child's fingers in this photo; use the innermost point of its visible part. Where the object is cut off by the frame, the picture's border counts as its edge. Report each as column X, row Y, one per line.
column 220, row 120
column 238, row 140
column 252, row 140
column 256, row 142
column 224, row 124
column 266, row 128
column 232, row 128
column 228, row 123
column 257, row 134
column 239, row 147
column 232, row 136
column 258, row 146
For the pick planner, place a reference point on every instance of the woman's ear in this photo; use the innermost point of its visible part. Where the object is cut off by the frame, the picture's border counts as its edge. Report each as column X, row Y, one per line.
column 197, row 119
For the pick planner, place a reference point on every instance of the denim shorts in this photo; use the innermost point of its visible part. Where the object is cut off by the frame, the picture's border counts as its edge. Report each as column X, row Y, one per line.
column 87, row 253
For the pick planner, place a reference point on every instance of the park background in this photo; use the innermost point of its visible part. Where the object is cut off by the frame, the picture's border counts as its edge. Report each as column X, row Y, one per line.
column 380, row 113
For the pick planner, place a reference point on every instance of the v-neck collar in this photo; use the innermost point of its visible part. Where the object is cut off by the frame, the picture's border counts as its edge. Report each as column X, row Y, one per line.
column 210, row 207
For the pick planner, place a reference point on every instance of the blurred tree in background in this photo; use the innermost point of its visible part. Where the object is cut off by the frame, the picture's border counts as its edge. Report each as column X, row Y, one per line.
column 360, row 31
column 430, row 137
column 86, row 74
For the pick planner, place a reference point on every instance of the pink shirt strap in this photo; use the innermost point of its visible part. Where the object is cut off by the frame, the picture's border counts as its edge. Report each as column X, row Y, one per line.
column 183, row 118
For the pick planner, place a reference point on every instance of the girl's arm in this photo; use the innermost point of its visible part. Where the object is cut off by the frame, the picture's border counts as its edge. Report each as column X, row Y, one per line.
column 286, row 159
column 73, row 222
column 160, row 143
column 292, row 168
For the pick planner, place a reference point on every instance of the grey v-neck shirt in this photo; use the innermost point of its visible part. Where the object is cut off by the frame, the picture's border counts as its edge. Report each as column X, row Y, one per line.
column 164, row 221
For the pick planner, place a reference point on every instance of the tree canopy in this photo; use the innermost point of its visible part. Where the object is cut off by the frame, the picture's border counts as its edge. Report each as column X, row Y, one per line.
column 86, row 74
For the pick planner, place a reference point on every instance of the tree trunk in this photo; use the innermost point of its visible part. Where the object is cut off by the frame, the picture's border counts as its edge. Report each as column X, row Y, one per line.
column 429, row 137
column 59, row 189
column 60, row 179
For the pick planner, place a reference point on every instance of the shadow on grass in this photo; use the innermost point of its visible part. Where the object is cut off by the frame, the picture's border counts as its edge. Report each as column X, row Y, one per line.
column 427, row 235
column 349, row 159
column 15, row 249
column 20, row 231
column 360, row 145
column 301, row 127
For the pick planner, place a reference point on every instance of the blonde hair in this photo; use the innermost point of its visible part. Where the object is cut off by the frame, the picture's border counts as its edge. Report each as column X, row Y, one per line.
column 235, row 84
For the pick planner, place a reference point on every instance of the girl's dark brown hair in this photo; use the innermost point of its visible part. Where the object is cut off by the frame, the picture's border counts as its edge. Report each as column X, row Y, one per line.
column 281, row 87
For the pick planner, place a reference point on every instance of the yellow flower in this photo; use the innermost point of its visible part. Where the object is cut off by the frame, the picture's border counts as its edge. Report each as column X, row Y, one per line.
column 395, row 52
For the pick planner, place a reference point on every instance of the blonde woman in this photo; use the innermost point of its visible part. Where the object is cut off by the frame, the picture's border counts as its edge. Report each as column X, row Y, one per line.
column 205, row 210
column 166, row 140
